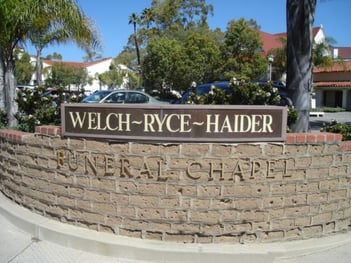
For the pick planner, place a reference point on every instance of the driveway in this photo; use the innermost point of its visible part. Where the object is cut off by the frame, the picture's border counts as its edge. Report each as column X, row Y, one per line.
column 341, row 117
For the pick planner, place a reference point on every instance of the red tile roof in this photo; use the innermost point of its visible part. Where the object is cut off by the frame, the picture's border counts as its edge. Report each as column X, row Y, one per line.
column 344, row 66
column 74, row 64
column 334, row 84
column 343, row 52
column 271, row 41
column 315, row 30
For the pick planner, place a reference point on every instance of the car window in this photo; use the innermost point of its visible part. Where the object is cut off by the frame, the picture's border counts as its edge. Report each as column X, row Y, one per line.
column 202, row 90
column 117, row 97
column 135, row 97
column 96, row 96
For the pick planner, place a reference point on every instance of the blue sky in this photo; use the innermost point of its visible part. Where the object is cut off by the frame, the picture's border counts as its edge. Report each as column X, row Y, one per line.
column 111, row 18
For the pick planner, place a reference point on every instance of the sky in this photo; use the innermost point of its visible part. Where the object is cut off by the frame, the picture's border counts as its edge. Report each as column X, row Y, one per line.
column 111, row 17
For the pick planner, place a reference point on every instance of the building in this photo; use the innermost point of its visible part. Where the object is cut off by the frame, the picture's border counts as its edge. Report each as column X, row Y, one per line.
column 332, row 86
column 93, row 69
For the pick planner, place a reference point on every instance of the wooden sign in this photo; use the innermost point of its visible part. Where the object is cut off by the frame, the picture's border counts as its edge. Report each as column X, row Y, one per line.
column 174, row 123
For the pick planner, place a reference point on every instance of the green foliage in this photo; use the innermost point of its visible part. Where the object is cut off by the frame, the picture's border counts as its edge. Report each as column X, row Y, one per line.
column 111, row 78
column 201, row 55
column 250, row 93
column 177, row 47
column 63, row 75
column 241, row 93
column 3, row 119
column 216, row 96
column 21, row 20
column 341, row 128
column 241, row 51
column 164, row 65
column 38, row 107
column 328, row 109
column 293, row 114
column 24, row 69
column 244, row 93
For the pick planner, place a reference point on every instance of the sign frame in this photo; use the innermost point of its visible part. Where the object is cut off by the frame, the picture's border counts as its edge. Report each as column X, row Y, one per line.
column 187, row 126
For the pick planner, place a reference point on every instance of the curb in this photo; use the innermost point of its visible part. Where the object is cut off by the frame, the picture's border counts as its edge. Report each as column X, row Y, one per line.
column 137, row 250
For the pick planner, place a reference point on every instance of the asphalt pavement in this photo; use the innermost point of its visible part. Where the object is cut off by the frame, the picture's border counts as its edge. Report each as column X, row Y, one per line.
column 317, row 122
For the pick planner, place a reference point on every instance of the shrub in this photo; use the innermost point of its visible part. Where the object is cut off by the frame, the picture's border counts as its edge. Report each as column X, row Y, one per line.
column 249, row 93
column 329, row 109
column 341, row 128
column 39, row 107
column 244, row 93
column 3, row 119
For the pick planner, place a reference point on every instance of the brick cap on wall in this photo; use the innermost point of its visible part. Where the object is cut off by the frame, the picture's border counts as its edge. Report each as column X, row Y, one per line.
column 313, row 137
column 48, row 130
column 291, row 138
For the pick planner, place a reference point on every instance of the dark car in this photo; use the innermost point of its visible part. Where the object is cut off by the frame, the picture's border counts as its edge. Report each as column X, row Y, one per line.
column 203, row 89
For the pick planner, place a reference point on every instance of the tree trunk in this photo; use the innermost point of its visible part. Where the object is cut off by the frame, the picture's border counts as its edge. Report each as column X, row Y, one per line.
column 38, row 71
column 2, row 83
column 10, row 93
column 136, row 45
column 300, row 16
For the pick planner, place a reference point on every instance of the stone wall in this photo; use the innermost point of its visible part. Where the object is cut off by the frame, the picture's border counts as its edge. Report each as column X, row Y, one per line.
column 189, row 193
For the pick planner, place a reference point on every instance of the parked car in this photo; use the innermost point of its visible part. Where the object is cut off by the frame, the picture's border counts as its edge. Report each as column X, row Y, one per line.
column 130, row 96
column 97, row 96
column 203, row 89
column 24, row 87
column 225, row 85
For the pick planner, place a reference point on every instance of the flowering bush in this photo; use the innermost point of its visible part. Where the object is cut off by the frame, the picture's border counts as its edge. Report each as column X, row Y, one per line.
column 335, row 127
column 215, row 96
column 39, row 106
column 244, row 93
column 3, row 119
column 250, row 93
column 241, row 93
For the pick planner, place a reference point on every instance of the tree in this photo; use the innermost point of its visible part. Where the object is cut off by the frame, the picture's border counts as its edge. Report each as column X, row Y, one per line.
column 113, row 78
column 176, row 63
column 91, row 55
column 18, row 21
column 170, row 16
column 300, row 16
column 164, row 18
column 241, row 50
column 24, row 69
column 63, row 75
column 203, row 58
column 164, row 63
column 134, row 19
column 147, row 17
column 321, row 56
column 13, row 28
column 279, row 63
column 47, row 28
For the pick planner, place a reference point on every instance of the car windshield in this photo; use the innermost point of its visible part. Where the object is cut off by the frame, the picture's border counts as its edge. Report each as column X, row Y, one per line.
column 130, row 97
column 96, row 96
